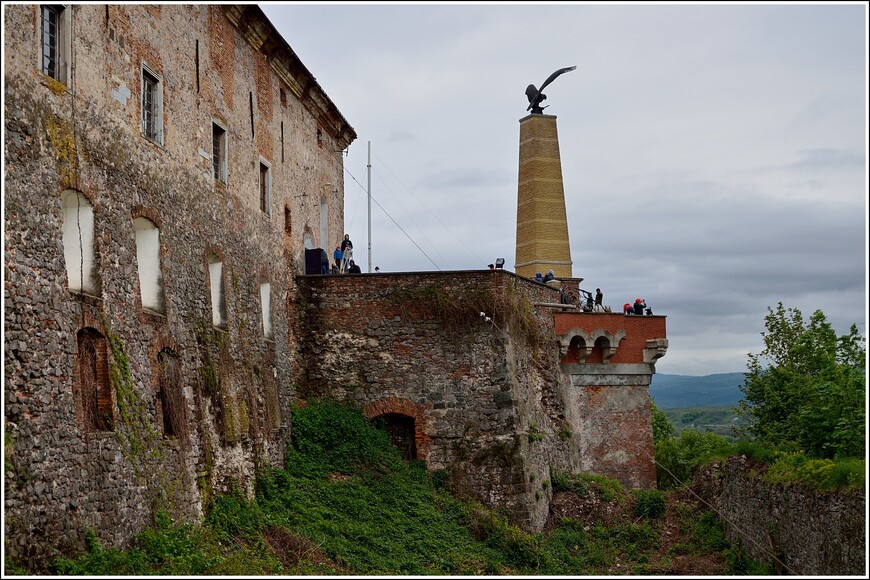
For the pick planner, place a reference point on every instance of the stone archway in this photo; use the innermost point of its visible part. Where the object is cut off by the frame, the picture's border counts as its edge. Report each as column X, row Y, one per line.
column 406, row 423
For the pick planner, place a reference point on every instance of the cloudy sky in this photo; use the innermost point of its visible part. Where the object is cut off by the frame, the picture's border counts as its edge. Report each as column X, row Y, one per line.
column 714, row 156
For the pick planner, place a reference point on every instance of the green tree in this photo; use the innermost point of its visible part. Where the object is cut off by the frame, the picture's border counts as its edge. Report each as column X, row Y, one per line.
column 806, row 389
column 662, row 428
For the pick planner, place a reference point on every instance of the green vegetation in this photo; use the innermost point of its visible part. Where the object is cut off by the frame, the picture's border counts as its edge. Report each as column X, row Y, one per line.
column 649, row 503
column 678, row 457
column 811, row 395
column 662, row 427
column 724, row 421
column 803, row 416
column 346, row 504
column 459, row 309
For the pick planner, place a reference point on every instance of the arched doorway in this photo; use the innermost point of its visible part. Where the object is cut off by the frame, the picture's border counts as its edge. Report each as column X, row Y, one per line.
column 400, row 429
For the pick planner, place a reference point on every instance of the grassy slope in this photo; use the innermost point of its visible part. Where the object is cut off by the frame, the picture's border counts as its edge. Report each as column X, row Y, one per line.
column 346, row 505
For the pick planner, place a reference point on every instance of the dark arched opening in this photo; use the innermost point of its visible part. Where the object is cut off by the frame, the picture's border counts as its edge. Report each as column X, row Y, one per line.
column 400, row 429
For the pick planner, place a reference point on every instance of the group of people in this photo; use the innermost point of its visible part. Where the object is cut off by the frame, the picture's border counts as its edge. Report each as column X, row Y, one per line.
column 544, row 279
column 343, row 256
column 639, row 308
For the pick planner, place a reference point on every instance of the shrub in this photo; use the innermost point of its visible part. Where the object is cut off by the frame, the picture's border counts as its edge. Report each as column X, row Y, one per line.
column 649, row 503
column 677, row 458
column 335, row 437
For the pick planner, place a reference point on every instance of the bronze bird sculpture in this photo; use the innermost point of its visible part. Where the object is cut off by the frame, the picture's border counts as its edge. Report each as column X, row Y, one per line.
column 536, row 95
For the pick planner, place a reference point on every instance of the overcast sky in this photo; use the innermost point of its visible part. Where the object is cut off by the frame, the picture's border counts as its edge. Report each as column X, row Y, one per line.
column 714, row 157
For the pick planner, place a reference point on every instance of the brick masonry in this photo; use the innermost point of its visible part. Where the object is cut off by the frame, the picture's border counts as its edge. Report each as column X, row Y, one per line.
column 542, row 222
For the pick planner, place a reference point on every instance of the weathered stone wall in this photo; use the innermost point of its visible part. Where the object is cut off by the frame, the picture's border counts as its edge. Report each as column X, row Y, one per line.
column 811, row 533
column 233, row 385
column 486, row 395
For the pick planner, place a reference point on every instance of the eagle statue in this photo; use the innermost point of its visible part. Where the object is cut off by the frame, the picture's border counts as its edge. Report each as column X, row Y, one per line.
column 537, row 95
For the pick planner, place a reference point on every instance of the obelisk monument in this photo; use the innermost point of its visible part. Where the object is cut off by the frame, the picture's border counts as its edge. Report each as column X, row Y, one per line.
column 542, row 221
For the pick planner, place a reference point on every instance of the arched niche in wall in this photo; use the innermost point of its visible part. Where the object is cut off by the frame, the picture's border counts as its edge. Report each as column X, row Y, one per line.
column 216, row 288
column 78, row 242
column 148, row 260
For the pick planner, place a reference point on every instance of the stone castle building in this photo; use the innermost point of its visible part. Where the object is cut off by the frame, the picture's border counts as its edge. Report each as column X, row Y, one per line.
column 166, row 168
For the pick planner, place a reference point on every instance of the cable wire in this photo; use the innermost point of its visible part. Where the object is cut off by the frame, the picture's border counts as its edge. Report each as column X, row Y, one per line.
column 395, row 222
column 429, row 210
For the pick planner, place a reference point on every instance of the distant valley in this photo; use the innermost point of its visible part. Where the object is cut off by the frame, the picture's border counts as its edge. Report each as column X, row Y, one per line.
column 703, row 403
column 681, row 391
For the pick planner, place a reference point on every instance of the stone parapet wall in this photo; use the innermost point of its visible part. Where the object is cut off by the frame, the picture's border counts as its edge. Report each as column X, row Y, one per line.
column 811, row 533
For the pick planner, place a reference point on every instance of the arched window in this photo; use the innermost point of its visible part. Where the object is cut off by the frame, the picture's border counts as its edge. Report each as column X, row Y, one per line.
column 266, row 306
column 148, row 258
column 169, row 395
column 94, row 387
column 218, row 297
column 78, row 242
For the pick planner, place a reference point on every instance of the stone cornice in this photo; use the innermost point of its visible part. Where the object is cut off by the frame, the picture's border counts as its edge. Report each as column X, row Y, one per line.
column 259, row 32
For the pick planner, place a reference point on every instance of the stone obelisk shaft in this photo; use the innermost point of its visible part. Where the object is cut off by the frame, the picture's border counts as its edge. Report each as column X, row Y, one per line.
column 542, row 222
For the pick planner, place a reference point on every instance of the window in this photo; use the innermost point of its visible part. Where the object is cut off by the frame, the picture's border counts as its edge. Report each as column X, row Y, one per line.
column 219, row 152
column 78, row 242
column 152, row 106
column 55, row 41
column 324, row 221
column 94, row 387
column 216, row 285
column 148, row 259
column 169, row 395
column 288, row 222
column 265, row 188
column 266, row 306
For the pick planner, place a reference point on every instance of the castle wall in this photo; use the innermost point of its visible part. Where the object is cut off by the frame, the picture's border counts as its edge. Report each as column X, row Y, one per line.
column 795, row 528
column 487, row 396
column 114, row 406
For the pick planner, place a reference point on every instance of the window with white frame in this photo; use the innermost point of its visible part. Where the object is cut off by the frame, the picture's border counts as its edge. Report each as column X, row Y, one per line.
column 265, row 188
column 219, row 152
column 148, row 261
column 78, row 242
column 266, row 306
column 55, row 28
column 216, row 286
column 152, row 105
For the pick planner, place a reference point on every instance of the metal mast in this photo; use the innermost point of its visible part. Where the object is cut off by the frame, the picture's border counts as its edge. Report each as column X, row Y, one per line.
column 369, row 166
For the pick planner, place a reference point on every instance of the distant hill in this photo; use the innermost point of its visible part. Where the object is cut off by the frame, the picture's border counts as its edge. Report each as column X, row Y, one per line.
column 681, row 391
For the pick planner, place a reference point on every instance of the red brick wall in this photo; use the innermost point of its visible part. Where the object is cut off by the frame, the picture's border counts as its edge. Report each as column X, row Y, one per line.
column 638, row 329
